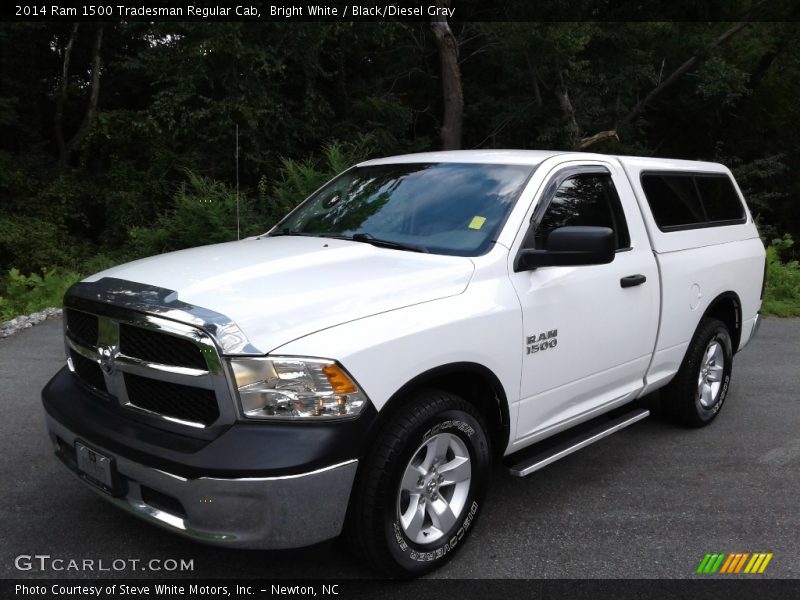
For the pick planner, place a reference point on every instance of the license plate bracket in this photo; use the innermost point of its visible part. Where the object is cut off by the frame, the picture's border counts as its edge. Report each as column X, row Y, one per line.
column 96, row 467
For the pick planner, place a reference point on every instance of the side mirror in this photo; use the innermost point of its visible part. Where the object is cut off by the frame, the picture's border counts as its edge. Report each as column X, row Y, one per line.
column 570, row 246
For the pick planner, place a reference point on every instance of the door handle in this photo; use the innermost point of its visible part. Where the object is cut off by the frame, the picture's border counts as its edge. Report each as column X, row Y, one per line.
column 632, row 280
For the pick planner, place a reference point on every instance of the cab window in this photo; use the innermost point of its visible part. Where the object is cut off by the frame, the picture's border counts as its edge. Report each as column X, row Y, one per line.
column 584, row 199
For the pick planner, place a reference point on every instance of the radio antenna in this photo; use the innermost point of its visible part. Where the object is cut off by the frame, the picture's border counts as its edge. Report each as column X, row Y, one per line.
column 238, row 233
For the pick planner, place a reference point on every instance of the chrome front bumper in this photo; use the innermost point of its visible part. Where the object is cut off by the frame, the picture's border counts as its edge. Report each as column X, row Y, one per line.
column 265, row 512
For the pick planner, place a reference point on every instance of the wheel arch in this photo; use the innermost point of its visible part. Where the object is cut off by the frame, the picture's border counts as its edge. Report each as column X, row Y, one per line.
column 727, row 307
column 475, row 383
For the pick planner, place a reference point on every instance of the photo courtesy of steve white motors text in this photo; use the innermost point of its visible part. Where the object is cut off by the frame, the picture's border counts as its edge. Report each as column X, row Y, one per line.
column 173, row 590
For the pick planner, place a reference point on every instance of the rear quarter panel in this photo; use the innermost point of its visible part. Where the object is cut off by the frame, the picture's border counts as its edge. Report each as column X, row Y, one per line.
column 691, row 280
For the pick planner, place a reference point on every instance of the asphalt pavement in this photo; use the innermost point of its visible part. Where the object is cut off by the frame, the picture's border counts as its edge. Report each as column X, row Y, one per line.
column 648, row 502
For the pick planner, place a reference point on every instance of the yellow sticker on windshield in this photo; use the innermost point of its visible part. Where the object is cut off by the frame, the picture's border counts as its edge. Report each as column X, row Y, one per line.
column 477, row 222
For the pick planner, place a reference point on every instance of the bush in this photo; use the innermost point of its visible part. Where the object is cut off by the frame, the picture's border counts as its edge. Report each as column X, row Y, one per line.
column 28, row 243
column 25, row 294
column 297, row 180
column 782, row 294
column 203, row 212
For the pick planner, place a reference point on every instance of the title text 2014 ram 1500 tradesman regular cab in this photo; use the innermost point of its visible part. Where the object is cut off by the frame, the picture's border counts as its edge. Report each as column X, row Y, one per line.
column 359, row 367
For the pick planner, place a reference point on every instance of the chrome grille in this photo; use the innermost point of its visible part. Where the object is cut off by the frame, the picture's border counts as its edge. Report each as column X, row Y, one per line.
column 82, row 326
column 172, row 399
column 88, row 371
column 161, row 370
column 152, row 346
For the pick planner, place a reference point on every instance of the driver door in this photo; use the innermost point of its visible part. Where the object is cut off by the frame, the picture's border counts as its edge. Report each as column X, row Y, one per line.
column 587, row 340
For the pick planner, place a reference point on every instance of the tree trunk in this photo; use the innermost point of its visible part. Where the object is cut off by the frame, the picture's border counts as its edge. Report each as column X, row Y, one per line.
column 61, row 99
column 764, row 64
column 94, row 95
column 537, row 92
column 562, row 95
column 597, row 137
column 451, row 81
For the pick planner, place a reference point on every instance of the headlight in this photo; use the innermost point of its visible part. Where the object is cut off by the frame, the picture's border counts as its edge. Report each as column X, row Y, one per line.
column 288, row 387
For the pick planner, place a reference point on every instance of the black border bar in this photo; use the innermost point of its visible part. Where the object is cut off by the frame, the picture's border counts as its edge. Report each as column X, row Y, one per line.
column 729, row 588
column 459, row 11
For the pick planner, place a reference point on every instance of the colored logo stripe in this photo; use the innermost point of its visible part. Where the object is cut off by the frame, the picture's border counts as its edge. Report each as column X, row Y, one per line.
column 736, row 562
column 710, row 563
column 758, row 563
column 728, row 562
column 722, row 562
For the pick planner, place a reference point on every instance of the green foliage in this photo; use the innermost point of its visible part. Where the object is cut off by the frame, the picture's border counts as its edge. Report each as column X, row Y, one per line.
column 721, row 82
column 156, row 170
column 203, row 212
column 30, row 243
column 782, row 294
column 783, row 246
column 25, row 294
column 757, row 179
column 298, row 179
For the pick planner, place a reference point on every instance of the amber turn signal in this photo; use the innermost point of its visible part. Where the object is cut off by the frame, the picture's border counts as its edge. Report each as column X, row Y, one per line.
column 339, row 380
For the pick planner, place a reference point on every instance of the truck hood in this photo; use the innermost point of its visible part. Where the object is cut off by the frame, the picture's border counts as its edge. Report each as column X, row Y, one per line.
column 279, row 289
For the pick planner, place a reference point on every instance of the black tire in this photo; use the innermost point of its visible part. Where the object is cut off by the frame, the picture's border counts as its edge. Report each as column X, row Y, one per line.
column 682, row 398
column 374, row 528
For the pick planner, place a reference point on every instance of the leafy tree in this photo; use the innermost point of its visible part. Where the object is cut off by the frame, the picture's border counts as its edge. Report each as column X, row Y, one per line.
column 136, row 155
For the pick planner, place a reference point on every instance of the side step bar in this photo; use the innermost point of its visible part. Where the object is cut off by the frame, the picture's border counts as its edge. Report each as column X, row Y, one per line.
column 551, row 455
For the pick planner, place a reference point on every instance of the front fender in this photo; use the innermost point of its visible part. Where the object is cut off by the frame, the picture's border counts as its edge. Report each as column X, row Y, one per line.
column 386, row 351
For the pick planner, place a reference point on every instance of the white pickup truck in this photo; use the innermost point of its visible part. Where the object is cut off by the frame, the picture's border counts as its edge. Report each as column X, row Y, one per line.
column 362, row 365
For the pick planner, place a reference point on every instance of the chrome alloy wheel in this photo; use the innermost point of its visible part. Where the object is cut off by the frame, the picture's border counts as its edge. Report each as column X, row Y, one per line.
column 434, row 488
column 709, row 380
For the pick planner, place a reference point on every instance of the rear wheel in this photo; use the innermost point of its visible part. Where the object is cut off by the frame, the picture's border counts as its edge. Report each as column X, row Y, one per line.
column 698, row 391
column 421, row 485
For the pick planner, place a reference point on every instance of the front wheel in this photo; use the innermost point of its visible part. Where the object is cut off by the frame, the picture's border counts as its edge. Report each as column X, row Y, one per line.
column 421, row 485
column 698, row 391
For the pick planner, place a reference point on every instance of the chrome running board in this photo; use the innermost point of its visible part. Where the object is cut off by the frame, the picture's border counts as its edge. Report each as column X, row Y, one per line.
column 551, row 455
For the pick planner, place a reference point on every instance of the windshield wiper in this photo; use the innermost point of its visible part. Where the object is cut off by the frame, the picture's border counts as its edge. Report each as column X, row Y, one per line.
column 371, row 239
column 287, row 231
column 356, row 237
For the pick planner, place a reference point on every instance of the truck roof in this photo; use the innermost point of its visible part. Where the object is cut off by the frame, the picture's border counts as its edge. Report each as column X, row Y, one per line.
column 534, row 157
column 509, row 157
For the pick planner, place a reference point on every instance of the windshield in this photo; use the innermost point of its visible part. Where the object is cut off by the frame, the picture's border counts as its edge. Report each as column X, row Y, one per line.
column 444, row 208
